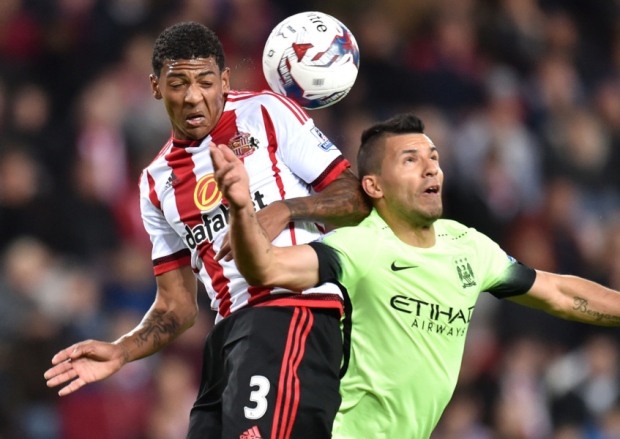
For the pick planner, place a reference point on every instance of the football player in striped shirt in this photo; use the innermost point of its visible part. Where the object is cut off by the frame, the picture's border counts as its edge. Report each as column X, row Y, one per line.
column 271, row 363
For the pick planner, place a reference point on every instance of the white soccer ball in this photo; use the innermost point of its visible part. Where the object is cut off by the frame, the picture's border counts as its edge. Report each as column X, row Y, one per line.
column 312, row 58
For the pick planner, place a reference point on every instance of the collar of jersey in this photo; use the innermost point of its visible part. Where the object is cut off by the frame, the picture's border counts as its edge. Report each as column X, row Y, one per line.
column 185, row 143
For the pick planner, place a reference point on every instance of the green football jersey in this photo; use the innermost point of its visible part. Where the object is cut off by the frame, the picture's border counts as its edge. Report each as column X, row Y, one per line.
column 410, row 311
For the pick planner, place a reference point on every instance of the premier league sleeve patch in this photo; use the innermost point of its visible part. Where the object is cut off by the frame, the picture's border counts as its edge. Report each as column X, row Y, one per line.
column 324, row 142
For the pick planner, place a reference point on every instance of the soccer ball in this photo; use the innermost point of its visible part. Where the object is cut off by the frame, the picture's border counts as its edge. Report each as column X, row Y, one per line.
column 312, row 58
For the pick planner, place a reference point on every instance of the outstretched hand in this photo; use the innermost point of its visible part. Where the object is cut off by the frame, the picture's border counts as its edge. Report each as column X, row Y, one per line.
column 84, row 363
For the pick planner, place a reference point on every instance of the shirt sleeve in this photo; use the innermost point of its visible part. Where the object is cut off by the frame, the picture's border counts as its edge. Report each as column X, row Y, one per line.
column 505, row 276
column 168, row 251
column 517, row 279
column 305, row 149
column 330, row 268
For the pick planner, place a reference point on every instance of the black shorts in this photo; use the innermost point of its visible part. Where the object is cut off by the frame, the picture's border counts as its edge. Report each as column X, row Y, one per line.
column 270, row 373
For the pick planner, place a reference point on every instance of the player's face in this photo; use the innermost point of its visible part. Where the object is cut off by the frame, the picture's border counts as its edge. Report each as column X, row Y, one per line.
column 194, row 93
column 411, row 179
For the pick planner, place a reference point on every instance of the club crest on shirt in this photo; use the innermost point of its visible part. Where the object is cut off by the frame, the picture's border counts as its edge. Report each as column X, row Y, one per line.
column 243, row 144
column 465, row 272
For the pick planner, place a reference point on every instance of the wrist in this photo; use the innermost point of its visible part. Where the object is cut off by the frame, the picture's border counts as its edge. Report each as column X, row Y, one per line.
column 123, row 351
column 290, row 208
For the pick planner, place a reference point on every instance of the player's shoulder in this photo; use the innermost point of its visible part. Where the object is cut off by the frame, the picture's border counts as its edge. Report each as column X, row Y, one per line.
column 160, row 158
column 267, row 99
column 456, row 232
column 371, row 229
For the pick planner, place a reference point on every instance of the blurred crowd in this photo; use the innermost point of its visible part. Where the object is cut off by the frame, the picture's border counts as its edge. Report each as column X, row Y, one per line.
column 522, row 98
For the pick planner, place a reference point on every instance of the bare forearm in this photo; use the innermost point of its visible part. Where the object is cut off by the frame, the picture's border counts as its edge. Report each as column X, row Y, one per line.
column 156, row 330
column 339, row 204
column 578, row 299
column 593, row 303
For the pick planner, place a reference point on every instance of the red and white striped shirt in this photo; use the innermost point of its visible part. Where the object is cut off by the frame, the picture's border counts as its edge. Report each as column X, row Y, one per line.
column 186, row 217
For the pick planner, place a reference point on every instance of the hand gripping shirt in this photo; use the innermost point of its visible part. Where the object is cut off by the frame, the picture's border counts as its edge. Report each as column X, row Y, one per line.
column 408, row 313
column 184, row 213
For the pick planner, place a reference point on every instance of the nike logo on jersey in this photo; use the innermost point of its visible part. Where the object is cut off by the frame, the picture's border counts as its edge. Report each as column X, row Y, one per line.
column 395, row 267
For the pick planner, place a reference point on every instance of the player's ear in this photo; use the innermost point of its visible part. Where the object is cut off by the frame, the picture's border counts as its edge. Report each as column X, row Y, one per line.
column 155, row 86
column 372, row 186
column 226, row 80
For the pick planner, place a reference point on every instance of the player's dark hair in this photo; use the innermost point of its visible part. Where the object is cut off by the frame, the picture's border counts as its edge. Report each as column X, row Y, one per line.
column 187, row 40
column 370, row 154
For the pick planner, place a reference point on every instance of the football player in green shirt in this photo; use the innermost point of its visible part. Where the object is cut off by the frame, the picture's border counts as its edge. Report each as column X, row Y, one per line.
column 411, row 280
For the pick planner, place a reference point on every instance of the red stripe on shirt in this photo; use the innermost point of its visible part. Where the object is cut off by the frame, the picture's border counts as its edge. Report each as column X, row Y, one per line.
column 181, row 163
column 168, row 263
column 272, row 147
column 235, row 96
column 225, row 129
column 331, row 173
column 257, row 294
column 299, row 112
column 219, row 282
column 314, row 300
column 152, row 193
column 183, row 166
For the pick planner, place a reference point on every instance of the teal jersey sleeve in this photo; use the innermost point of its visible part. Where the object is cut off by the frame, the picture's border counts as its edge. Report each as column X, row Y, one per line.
column 504, row 276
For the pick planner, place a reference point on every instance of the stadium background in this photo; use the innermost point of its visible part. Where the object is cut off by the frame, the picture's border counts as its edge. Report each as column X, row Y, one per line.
column 522, row 98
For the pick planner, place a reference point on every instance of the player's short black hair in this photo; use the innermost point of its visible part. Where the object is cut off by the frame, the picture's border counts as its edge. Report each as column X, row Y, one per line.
column 187, row 40
column 370, row 154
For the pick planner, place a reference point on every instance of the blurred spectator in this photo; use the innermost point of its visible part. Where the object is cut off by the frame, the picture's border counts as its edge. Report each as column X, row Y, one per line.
column 496, row 159
column 175, row 395
column 462, row 419
column 100, row 142
column 30, row 289
column 20, row 34
column 583, row 384
column 521, row 411
column 128, row 281
column 28, row 205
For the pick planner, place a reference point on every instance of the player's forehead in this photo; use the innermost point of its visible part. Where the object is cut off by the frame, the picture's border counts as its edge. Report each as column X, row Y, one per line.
column 410, row 142
column 174, row 67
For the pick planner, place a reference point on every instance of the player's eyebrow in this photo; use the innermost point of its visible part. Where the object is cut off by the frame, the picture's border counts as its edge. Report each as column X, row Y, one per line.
column 183, row 75
column 433, row 149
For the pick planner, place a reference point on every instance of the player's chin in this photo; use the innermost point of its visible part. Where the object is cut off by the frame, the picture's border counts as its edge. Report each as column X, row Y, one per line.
column 195, row 132
column 433, row 213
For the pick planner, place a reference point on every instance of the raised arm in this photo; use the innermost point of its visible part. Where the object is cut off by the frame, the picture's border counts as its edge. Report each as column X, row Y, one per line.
column 573, row 298
column 341, row 203
column 173, row 311
column 260, row 262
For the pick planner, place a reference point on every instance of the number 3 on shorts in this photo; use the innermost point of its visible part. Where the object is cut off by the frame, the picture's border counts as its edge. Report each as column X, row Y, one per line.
column 258, row 396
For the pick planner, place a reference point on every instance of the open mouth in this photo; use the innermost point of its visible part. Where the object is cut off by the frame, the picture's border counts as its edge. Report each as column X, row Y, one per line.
column 195, row 119
column 432, row 190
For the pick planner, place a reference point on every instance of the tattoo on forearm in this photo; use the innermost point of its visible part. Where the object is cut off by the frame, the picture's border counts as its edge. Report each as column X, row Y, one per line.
column 158, row 328
column 341, row 205
column 581, row 305
column 262, row 231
